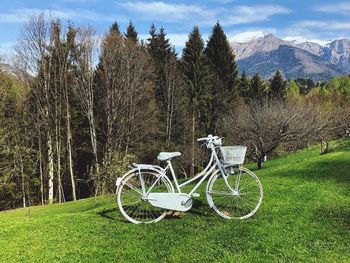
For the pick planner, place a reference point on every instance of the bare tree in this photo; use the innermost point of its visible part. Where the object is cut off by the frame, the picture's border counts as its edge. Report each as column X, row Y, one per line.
column 340, row 121
column 33, row 60
column 173, row 81
column 43, row 56
column 84, row 56
column 126, row 82
column 265, row 126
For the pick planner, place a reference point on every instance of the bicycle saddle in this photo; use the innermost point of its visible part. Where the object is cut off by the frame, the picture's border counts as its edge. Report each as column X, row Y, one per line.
column 164, row 156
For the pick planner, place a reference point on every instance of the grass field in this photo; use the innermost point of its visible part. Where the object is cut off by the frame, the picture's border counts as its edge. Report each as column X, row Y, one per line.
column 305, row 217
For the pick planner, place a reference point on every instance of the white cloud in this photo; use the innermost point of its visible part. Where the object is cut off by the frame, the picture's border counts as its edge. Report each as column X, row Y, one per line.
column 223, row 1
column 319, row 31
column 22, row 15
column 247, row 14
column 181, row 13
column 80, row 1
column 340, row 8
column 325, row 25
column 164, row 11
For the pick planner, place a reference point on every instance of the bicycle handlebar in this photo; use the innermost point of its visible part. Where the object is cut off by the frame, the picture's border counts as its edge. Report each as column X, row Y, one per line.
column 209, row 138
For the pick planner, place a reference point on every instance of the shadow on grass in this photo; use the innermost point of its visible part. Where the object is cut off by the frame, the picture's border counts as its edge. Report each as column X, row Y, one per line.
column 338, row 217
column 198, row 208
column 330, row 168
column 110, row 214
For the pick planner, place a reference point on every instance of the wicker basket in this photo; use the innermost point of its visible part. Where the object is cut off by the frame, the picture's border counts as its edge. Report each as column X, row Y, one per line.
column 233, row 155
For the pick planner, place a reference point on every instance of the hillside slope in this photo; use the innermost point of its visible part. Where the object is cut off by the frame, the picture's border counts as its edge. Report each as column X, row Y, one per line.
column 305, row 217
column 292, row 62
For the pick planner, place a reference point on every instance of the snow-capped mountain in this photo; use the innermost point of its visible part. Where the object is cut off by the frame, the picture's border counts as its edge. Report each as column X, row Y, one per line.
column 248, row 36
column 300, row 40
column 338, row 53
column 294, row 56
column 265, row 43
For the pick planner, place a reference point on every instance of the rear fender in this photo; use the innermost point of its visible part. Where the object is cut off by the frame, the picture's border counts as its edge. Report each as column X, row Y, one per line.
column 144, row 168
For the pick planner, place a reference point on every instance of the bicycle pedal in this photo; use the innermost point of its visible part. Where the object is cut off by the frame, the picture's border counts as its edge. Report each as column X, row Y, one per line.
column 196, row 195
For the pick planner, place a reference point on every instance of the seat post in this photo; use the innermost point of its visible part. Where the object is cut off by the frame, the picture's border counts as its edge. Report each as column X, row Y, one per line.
column 173, row 174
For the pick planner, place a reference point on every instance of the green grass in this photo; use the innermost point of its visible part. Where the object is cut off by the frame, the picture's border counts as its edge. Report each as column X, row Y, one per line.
column 305, row 217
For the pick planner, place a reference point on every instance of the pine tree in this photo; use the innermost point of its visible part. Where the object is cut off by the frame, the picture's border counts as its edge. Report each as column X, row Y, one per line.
column 243, row 86
column 223, row 66
column 152, row 42
column 164, row 47
column 278, row 87
column 196, row 75
column 257, row 89
column 115, row 28
column 164, row 61
column 131, row 33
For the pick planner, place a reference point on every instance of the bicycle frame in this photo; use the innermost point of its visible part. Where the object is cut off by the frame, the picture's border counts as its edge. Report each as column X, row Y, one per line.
column 160, row 200
column 212, row 164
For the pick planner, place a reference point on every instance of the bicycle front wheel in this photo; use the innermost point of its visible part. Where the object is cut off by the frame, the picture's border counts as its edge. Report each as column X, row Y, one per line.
column 239, row 198
column 132, row 203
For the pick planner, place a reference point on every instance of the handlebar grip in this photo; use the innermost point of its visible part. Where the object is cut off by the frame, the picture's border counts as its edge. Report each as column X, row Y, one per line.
column 201, row 139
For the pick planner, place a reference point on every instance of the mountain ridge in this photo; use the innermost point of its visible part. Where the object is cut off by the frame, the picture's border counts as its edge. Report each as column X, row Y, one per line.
column 309, row 59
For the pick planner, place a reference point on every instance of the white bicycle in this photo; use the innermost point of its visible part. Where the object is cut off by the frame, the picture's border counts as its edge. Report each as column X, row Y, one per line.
column 145, row 194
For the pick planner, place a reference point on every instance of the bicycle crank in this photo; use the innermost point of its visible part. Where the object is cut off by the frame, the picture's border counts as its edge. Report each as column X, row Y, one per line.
column 171, row 201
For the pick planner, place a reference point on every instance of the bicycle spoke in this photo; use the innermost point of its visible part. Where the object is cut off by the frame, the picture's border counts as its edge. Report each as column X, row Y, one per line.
column 221, row 193
column 130, row 197
column 133, row 188
column 240, row 205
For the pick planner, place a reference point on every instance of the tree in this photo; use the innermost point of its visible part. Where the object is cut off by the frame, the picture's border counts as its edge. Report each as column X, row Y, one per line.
column 222, row 62
column 131, row 33
column 173, row 82
column 84, row 54
column 278, row 87
column 265, row 126
column 15, row 156
column 167, row 86
column 60, row 52
column 243, row 86
column 44, row 57
column 115, row 28
column 124, row 91
column 197, row 89
column 293, row 92
column 257, row 91
column 33, row 59
column 152, row 42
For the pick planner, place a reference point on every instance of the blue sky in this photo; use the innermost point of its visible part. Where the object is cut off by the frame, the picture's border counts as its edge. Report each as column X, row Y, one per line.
column 321, row 20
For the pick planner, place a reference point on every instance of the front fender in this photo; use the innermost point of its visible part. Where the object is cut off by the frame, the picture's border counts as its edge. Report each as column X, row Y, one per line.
column 210, row 203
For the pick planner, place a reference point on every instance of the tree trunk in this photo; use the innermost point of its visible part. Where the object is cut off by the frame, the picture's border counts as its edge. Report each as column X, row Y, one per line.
column 51, row 167
column 93, row 139
column 193, row 143
column 23, row 184
column 69, row 146
column 260, row 163
column 41, row 172
column 58, row 148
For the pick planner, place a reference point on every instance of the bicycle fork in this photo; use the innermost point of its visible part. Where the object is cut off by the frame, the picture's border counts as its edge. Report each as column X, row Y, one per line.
column 222, row 171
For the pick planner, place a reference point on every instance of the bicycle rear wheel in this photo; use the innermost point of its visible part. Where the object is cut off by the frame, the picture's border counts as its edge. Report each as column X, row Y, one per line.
column 239, row 201
column 133, row 204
